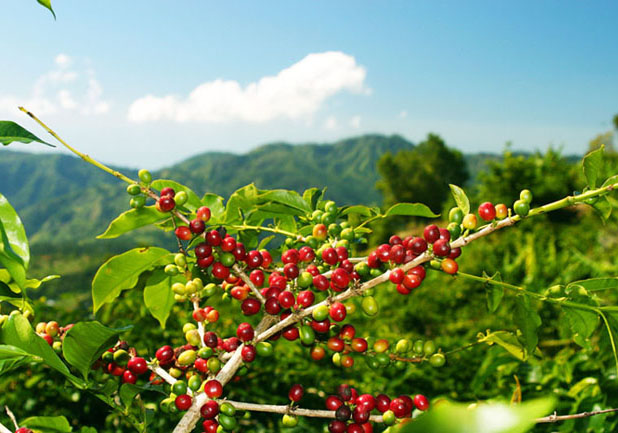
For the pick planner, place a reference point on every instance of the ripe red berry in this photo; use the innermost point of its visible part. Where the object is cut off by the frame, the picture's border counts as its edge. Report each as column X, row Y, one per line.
column 306, row 254
column 445, row 234
column 333, row 402
column 290, row 270
column 228, row 244
column 166, row 204
column 201, row 365
column 257, row 277
column 183, row 233
column 398, row 254
column 220, row 271
column 248, row 353
column 210, row 409
column 455, row 252
column 197, row 226
column 441, row 248
column 360, row 415
column 245, row 332
column 272, row 306
column 421, row 402
column 342, row 253
column 384, row 252
column 137, row 365
column 398, row 406
column 183, row 402
column 347, row 331
column 366, row 401
column 203, row 250
column 487, row 211
column 129, row 377
column 266, row 258
column 336, row 426
column 343, row 413
column 164, row 354
column 254, row 259
column 213, row 238
column 213, row 388
column 203, row 213
column 449, row 266
column 418, row 270
column 250, row 306
column 317, row 353
column 418, row 245
column 396, row 276
column 431, row 233
column 395, row 240
column 322, row 326
column 382, row 403
column 291, row 333
column 286, row 299
column 340, row 278
column 337, row 311
column 23, row 430
column 359, row 345
column 329, row 255
column 167, row 191
column 335, row 344
column 210, row 339
column 321, row 283
column 210, row 426
column 411, row 281
column 296, row 393
column 305, row 298
column 290, row 256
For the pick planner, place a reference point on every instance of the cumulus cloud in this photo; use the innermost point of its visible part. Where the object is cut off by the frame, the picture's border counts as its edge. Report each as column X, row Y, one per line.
column 355, row 122
column 331, row 122
column 62, row 89
column 296, row 92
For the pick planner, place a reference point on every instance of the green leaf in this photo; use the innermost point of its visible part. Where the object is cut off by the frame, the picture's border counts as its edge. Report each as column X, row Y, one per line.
column 158, row 295
column 603, row 208
column 12, row 352
column 193, row 201
column 17, row 332
column 597, row 284
column 215, row 203
column 121, row 272
column 85, row 342
column 47, row 4
column 14, row 249
column 582, row 324
column 133, row 219
column 410, row 209
column 127, row 393
column 11, row 131
column 610, row 181
column 286, row 197
column 265, row 242
column 312, row 196
column 492, row 417
column 358, row 209
column 592, row 164
column 88, row 430
column 506, row 340
column 460, row 198
column 528, row 321
column 52, row 424
column 576, row 390
column 242, row 200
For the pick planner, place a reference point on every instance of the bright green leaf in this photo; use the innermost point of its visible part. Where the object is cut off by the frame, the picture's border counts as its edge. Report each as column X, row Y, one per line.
column 528, row 321
column 410, row 209
column 121, row 272
column 506, row 340
column 286, row 197
column 603, row 208
column 358, row 209
column 47, row 4
column 11, row 131
column 12, row 352
column 85, row 342
column 158, row 295
column 14, row 249
column 312, row 196
column 133, row 219
column 485, row 418
column 597, row 284
column 215, row 203
column 610, row 181
column 592, row 164
column 17, row 332
column 460, row 198
column 193, row 201
column 241, row 201
column 128, row 392
column 51, row 424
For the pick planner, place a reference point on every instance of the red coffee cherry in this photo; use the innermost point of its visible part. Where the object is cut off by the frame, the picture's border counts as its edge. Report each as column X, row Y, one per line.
column 166, row 204
column 248, row 353
column 183, row 233
column 431, row 233
column 487, row 211
column 245, row 332
column 296, row 393
column 441, row 248
column 183, row 402
column 203, row 213
column 210, row 409
column 421, row 402
column 337, row 311
column 137, row 365
column 213, row 388
column 167, row 191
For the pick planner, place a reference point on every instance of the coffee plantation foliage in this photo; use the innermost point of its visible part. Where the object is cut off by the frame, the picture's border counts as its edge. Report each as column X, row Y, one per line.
column 527, row 325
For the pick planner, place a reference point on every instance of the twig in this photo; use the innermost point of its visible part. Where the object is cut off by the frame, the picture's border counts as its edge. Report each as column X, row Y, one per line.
column 243, row 276
column 12, row 416
column 286, row 409
column 558, row 418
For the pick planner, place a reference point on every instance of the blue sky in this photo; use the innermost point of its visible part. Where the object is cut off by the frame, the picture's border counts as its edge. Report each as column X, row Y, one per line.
column 149, row 83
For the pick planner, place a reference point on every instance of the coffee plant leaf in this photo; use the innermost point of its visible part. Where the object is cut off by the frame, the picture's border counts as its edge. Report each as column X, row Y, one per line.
column 131, row 220
column 11, row 132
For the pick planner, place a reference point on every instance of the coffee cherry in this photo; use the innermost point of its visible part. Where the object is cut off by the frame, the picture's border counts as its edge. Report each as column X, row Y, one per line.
column 52, row 328
column 183, row 233
column 335, row 344
column 382, row 402
column 137, row 202
column 286, row 299
column 319, row 232
column 470, row 221
column 359, row 345
column 455, row 252
column 411, row 281
column 210, row 339
column 272, row 306
column 419, row 245
column 329, row 255
column 321, row 283
column 501, row 211
column 144, row 175
column 183, row 402
column 164, row 354
column 369, row 305
column 213, row 388
column 254, row 259
column 220, row 271
column 320, row 313
column 337, row 426
column 347, row 361
column 197, row 226
column 317, row 353
column 213, row 238
column 210, row 409
column 487, row 211
column 245, row 332
column 248, row 353
column 203, row 213
column 454, row 230
column 291, row 333
column 289, row 420
column 333, row 402
column 264, row 349
column 398, row 254
column 441, row 248
column 138, row 365
column 343, row 413
column 396, row 276
column 305, row 298
column 380, row 346
column 398, row 407
column 526, row 196
column 250, row 306
column 296, row 393
column 337, row 311
column 431, row 233
column 129, row 377
column 167, row 192
column 418, row 270
column 360, row 415
column 521, row 208
column 340, row 278
column 449, row 266
column 437, row 360
column 455, row 215
column 429, row 347
column 321, row 327
column 421, row 402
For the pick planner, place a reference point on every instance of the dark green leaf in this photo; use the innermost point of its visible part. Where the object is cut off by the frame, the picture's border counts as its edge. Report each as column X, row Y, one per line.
column 582, row 324
column 17, row 332
column 592, row 165
column 158, row 295
column 11, row 131
column 133, row 219
column 85, row 342
column 128, row 392
column 14, row 249
column 288, row 198
column 193, row 201
column 47, row 4
column 494, row 296
column 485, row 418
column 358, row 209
column 242, row 200
column 121, row 272
column 528, row 321
column 460, row 198
column 410, row 209
column 12, row 352
column 312, row 196
column 51, row 424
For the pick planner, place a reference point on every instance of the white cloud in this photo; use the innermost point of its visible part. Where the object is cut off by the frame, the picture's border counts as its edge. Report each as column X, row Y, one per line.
column 62, row 89
column 296, row 92
column 403, row 114
column 355, row 122
column 330, row 123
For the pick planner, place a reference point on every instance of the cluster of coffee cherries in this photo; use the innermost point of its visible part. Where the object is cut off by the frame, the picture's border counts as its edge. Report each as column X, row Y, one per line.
column 377, row 353
column 122, row 361
column 353, row 411
column 52, row 333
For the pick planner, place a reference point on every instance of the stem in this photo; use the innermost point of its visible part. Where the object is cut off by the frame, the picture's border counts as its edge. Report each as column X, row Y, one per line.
column 243, row 276
column 200, row 324
column 12, row 416
column 83, row 156
column 557, row 418
column 3, row 429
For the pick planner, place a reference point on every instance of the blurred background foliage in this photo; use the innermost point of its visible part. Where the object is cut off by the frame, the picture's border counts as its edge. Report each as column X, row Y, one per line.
column 541, row 252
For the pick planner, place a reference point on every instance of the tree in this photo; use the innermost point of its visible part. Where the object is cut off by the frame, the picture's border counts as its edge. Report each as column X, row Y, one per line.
column 296, row 289
column 421, row 174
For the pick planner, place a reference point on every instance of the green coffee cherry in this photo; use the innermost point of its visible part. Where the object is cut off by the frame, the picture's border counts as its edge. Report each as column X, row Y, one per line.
column 229, row 423
column 264, row 349
column 307, row 335
column 418, row 346
column 137, row 202
column 289, row 420
column 454, row 230
column 214, row 365
column 526, row 195
column 195, row 382
column 347, row 234
column 187, row 357
column 193, row 337
column 521, row 208
column 144, row 176
column 180, row 260
column 134, row 189
column 403, row 346
column 437, row 360
column 320, row 313
column 369, row 306
column 179, row 387
column 205, row 352
column 121, row 357
column 227, row 409
column 429, row 347
column 210, row 290
column 188, row 327
column 175, row 372
column 171, row 270
column 388, row 417
column 456, row 215
column 179, row 288
column 180, row 198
